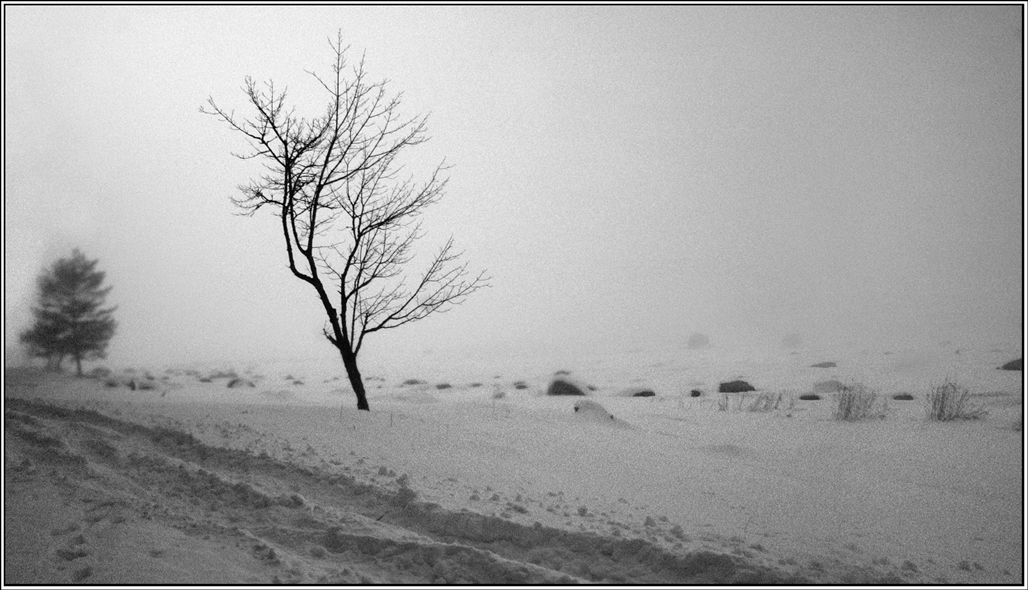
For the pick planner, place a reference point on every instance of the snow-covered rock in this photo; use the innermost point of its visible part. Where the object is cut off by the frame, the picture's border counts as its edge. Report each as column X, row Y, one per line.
column 593, row 410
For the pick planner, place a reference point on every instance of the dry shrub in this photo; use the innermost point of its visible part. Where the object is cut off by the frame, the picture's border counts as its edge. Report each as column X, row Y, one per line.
column 765, row 402
column 856, row 402
column 950, row 401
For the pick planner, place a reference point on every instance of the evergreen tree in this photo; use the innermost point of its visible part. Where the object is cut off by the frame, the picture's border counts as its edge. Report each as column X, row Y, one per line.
column 70, row 319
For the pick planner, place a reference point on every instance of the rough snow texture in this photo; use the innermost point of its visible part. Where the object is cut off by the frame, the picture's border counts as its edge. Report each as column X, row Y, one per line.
column 828, row 386
column 193, row 482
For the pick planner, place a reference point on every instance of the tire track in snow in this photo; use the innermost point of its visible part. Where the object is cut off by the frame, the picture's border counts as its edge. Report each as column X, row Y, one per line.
column 321, row 525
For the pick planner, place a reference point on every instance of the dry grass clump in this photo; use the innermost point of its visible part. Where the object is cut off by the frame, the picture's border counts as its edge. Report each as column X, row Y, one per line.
column 765, row 402
column 950, row 401
column 856, row 402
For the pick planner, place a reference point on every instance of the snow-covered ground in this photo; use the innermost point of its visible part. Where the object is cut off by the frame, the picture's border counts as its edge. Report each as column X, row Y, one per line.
column 476, row 475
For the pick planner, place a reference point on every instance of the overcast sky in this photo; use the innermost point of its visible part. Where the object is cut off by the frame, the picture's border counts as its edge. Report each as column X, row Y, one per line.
column 626, row 175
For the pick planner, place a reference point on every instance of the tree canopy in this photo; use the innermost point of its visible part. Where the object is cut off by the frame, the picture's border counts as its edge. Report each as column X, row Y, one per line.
column 70, row 318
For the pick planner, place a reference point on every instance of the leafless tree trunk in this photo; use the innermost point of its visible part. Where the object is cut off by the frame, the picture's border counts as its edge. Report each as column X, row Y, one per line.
column 348, row 222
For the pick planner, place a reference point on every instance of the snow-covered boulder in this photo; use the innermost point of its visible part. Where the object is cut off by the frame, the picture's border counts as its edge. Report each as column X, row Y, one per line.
column 591, row 410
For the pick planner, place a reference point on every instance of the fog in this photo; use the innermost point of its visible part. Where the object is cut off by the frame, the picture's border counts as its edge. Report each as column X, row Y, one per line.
column 626, row 175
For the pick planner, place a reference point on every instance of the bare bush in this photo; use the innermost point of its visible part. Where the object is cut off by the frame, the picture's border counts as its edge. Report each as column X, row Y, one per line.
column 857, row 402
column 765, row 402
column 950, row 401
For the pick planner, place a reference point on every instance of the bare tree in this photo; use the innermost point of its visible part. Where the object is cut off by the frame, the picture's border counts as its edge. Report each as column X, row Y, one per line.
column 348, row 220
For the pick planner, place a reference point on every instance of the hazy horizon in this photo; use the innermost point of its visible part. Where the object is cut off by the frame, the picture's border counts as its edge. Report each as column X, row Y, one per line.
column 626, row 175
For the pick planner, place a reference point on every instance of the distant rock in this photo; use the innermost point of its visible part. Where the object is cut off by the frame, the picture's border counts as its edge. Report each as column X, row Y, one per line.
column 223, row 375
column 824, row 365
column 520, row 385
column 695, row 393
column 698, row 341
column 829, row 386
column 903, row 397
column 792, row 341
column 145, row 384
column 809, row 397
column 735, row 387
column 238, row 382
column 640, row 392
column 1014, row 365
column 443, row 386
column 565, row 386
column 414, row 382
